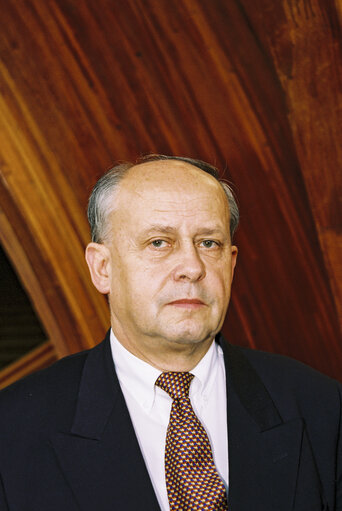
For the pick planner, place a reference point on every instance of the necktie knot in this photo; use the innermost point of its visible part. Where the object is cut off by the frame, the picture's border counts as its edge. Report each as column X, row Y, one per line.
column 176, row 384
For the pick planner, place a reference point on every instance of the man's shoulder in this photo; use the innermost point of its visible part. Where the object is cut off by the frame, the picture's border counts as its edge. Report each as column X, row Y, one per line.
column 290, row 380
column 45, row 390
column 285, row 366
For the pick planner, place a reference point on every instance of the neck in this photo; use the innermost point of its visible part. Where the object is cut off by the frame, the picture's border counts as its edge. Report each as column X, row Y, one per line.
column 173, row 356
column 183, row 361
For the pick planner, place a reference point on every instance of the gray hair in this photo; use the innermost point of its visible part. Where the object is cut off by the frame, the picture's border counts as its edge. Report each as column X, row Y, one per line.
column 101, row 199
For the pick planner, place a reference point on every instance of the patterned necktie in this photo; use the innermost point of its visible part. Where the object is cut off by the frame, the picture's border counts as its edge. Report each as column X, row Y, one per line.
column 192, row 480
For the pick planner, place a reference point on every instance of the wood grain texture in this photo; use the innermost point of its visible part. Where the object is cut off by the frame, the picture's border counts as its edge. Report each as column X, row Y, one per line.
column 39, row 358
column 253, row 87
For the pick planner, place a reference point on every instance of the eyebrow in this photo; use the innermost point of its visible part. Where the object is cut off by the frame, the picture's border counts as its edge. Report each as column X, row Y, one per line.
column 168, row 229
column 165, row 229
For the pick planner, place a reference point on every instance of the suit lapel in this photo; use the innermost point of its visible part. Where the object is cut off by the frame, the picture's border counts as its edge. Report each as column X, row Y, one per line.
column 271, row 465
column 100, row 456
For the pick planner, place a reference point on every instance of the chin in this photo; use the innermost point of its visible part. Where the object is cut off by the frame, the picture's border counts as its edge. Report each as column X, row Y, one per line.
column 190, row 337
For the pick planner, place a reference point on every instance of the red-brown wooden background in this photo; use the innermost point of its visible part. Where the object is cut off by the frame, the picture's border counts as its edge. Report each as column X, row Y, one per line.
column 253, row 87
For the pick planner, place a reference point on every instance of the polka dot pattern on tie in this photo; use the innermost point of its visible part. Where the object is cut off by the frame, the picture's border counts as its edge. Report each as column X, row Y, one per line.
column 192, row 480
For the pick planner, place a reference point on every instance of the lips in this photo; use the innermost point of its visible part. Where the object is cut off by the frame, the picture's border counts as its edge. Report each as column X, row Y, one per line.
column 187, row 300
column 187, row 303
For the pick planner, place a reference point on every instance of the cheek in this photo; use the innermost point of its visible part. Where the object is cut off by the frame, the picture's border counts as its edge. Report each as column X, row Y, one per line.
column 220, row 284
column 136, row 281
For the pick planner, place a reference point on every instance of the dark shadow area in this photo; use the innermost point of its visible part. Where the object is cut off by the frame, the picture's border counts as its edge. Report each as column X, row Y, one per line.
column 20, row 329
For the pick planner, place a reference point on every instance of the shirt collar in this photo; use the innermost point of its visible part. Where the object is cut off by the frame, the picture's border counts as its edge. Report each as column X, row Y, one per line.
column 139, row 377
column 206, row 370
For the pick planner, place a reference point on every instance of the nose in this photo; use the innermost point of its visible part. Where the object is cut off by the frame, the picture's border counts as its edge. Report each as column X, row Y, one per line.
column 189, row 266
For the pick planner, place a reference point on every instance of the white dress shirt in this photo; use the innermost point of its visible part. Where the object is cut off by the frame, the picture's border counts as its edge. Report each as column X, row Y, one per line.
column 149, row 407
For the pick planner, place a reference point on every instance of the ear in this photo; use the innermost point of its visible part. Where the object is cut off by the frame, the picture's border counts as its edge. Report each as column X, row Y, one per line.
column 234, row 250
column 98, row 260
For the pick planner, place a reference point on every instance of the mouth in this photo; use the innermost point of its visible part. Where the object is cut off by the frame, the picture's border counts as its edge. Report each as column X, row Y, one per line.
column 188, row 303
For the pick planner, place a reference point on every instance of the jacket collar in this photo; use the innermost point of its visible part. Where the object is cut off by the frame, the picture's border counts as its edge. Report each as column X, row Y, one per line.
column 271, row 465
column 103, row 463
column 100, row 456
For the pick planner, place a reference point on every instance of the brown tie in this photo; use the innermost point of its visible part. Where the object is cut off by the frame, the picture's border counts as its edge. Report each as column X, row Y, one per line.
column 192, row 480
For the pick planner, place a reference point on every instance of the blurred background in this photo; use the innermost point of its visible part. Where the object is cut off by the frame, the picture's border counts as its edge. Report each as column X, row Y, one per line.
column 254, row 88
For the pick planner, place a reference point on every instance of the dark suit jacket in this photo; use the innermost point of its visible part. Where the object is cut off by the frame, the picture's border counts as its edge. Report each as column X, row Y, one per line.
column 67, row 442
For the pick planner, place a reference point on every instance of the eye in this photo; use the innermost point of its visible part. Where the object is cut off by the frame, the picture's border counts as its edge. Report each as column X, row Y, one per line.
column 209, row 244
column 159, row 243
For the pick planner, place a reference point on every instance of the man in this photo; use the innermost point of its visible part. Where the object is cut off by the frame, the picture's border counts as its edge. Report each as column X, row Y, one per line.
column 153, row 416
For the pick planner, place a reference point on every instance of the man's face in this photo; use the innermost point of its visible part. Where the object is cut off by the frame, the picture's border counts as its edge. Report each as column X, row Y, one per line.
column 170, row 257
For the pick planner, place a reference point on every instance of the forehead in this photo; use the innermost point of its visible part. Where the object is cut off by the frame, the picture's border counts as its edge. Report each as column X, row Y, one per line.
column 171, row 177
column 170, row 188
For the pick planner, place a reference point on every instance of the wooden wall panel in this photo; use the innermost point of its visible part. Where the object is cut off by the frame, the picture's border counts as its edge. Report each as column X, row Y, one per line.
column 304, row 43
column 253, row 87
column 39, row 358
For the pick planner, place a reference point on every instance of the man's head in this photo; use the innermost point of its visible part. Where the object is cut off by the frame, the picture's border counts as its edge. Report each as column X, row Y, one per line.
column 101, row 200
column 164, row 255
